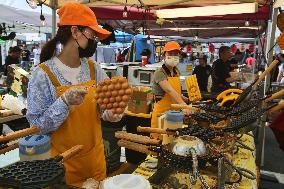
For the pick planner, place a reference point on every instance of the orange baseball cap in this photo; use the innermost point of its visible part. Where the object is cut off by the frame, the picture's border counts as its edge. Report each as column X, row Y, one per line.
column 76, row 14
column 171, row 46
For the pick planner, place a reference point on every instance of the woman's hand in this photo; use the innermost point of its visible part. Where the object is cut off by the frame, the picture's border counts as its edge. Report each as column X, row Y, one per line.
column 188, row 112
column 74, row 95
column 109, row 116
column 185, row 99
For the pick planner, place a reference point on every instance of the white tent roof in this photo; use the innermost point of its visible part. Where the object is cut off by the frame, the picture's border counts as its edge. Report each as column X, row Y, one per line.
column 25, row 21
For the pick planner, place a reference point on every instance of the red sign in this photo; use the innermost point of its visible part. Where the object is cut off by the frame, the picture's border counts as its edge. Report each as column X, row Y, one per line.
column 251, row 48
column 234, row 48
column 211, row 48
column 188, row 48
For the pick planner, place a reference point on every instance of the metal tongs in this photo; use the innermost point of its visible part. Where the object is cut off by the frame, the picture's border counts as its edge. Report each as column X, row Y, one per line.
column 10, row 141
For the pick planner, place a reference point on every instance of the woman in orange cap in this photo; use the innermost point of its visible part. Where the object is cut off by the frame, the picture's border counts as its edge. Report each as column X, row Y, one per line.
column 61, row 90
column 166, row 84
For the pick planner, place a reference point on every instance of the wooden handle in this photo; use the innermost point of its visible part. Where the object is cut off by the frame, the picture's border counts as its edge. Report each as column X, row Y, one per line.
column 151, row 130
column 181, row 106
column 136, row 138
column 136, row 147
column 9, row 148
column 266, row 71
column 275, row 95
column 278, row 107
column 19, row 134
column 71, row 152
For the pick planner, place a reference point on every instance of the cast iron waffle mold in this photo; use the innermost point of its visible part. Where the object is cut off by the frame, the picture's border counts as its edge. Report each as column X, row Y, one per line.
column 33, row 174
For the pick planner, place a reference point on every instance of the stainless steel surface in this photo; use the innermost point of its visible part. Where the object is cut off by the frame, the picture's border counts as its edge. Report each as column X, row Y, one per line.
column 184, row 145
column 271, row 36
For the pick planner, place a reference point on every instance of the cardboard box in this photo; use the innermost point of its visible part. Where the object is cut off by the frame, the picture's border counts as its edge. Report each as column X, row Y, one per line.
column 138, row 106
column 17, row 80
column 142, row 96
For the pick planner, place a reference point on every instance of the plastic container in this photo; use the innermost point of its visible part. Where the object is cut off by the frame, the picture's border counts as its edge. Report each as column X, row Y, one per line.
column 126, row 181
column 173, row 119
column 35, row 147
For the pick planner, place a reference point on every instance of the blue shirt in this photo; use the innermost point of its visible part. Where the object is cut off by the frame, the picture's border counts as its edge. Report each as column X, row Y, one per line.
column 45, row 109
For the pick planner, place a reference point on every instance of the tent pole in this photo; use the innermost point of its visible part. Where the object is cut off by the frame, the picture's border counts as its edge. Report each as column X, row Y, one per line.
column 271, row 28
column 54, row 7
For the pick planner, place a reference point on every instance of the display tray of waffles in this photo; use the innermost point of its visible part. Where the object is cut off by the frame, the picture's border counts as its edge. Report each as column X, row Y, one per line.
column 113, row 94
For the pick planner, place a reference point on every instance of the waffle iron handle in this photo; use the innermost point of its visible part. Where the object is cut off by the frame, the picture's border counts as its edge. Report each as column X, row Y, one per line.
column 9, row 148
column 71, row 152
column 277, row 107
column 181, row 106
column 151, row 130
column 266, row 71
column 19, row 134
column 137, row 138
column 136, row 147
column 275, row 95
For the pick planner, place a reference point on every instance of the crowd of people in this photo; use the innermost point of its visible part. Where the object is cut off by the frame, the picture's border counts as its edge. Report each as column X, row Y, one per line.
column 22, row 56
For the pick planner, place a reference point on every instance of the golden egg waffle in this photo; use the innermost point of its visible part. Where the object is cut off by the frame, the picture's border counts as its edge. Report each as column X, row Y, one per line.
column 192, row 88
column 113, row 94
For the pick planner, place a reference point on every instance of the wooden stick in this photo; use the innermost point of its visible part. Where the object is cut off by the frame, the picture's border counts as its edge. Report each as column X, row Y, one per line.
column 136, row 138
column 136, row 147
column 19, row 134
column 9, row 148
column 278, row 107
column 275, row 95
column 266, row 71
column 151, row 130
column 181, row 106
column 71, row 152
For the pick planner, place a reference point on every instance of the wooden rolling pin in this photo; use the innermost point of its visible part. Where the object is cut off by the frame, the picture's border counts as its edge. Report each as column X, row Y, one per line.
column 277, row 107
column 181, row 106
column 275, row 95
column 152, row 130
column 71, row 152
column 136, row 138
column 136, row 147
column 266, row 71
column 19, row 134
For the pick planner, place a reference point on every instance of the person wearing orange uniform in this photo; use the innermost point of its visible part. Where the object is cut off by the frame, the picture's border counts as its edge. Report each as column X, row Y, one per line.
column 61, row 94
column 166, row 84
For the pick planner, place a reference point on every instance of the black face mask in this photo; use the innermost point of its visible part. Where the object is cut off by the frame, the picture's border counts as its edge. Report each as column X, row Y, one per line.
column 89, row 50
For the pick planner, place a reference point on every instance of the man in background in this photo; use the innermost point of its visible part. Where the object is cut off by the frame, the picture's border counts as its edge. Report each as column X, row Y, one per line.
column 202, row 72
column 236, row 60
column 25, row 57
column 12, row 58
column 221, row 77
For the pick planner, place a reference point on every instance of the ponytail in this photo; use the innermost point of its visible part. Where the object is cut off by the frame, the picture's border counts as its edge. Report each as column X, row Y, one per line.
column 49, row 49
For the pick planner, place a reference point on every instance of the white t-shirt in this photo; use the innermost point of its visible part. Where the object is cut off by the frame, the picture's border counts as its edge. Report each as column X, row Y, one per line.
column 70, row 74
column 36, row 56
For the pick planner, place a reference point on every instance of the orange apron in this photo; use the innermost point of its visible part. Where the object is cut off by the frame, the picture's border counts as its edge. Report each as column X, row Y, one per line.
column 165, row 103
column 82, row 127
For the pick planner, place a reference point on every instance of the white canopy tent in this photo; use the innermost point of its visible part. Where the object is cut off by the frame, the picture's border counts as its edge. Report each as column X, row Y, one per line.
column 26, row 20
